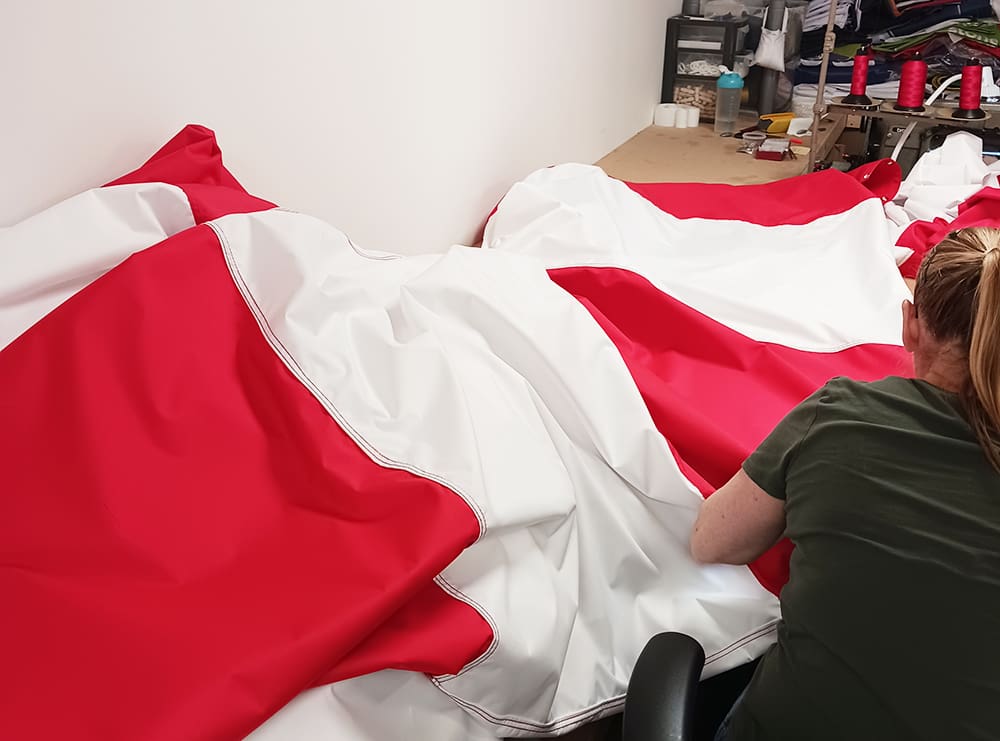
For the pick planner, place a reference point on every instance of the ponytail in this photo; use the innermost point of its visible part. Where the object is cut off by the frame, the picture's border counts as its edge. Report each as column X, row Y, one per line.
column 958, row 297
column 981, row 394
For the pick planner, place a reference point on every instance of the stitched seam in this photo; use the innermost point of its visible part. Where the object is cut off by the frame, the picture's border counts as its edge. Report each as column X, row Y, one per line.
column 272, row 339
column 580, row 716
column 794, row 453
column 745, row 640
column 494, row 644
column 360, row 252
column 560, row 724
column 296, row 370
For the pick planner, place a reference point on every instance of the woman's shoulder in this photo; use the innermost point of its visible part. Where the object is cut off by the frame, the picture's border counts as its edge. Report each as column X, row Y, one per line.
column 846, row 392
column 894, row 394
column 853, row 387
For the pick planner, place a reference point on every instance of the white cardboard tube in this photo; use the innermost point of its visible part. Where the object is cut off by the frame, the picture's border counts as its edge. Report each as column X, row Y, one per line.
column 665, row 115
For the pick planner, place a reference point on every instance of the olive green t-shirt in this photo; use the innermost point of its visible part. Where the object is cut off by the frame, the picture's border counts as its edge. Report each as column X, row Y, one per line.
column 891, row 616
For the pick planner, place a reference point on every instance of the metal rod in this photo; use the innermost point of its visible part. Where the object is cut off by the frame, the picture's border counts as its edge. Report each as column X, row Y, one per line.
column 819, row 107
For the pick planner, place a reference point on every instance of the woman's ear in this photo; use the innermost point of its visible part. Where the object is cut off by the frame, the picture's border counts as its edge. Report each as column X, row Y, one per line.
column 911, row 327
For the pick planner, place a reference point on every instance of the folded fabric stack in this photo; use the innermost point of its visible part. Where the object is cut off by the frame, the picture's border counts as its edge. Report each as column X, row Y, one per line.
column 848, row 14
column 858, row 21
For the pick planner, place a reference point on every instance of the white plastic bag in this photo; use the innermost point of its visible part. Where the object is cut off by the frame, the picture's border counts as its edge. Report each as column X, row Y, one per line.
column 771, row 49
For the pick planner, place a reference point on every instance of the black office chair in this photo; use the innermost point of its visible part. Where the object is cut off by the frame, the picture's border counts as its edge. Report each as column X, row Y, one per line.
column 665, row 700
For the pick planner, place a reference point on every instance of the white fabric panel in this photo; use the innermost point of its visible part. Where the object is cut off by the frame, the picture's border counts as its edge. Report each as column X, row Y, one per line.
column 376, row 707
column 474, row 369
column 941, row 180
column 778, row 284
column 49, row 257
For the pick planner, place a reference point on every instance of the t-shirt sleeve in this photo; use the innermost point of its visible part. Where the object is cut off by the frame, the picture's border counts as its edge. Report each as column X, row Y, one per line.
column 768, row 465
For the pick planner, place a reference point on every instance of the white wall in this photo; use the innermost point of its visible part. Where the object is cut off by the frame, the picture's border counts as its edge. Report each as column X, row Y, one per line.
column 400, row 122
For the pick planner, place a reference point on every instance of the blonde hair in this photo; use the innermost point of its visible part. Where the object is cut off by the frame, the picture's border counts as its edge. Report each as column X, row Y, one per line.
column 957, row 295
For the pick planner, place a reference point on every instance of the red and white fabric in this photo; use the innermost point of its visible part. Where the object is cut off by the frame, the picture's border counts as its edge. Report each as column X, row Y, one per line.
column 243, row 457
column 948, row 188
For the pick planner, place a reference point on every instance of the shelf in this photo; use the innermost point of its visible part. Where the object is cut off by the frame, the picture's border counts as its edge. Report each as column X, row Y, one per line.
column 696, row 78
column 713, row 47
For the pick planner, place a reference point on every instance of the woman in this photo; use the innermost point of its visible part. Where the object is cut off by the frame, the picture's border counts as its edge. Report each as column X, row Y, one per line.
column 891, row 493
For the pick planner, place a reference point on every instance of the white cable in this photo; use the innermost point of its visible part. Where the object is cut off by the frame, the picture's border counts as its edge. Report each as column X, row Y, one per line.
column 909, row 129
column 902, row 140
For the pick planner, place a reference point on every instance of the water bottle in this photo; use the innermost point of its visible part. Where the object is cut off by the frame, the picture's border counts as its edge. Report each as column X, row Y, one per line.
column 728, row 92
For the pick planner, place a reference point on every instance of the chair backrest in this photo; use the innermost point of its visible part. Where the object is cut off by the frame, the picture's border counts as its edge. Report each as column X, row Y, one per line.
column 660, row 700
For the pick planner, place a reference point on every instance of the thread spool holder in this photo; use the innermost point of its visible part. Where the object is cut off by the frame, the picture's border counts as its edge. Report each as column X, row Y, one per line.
column 970, row 97
column 969, row 115
column 859, row 78
column 844, row 102
column 932, row 115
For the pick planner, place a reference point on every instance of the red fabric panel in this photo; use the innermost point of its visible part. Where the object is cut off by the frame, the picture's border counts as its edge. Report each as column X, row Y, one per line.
column 192, row 161
column 882, row 178
column 187, row 538
column 920, row 236
column 432, row 633
column 981, row 209
column 790, row 201
column 713, row 392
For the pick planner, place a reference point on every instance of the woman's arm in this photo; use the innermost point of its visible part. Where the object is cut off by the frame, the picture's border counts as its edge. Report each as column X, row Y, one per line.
column 737, row 523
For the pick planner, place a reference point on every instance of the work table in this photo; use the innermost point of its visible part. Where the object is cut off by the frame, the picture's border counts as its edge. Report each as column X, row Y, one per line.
column 699, row 155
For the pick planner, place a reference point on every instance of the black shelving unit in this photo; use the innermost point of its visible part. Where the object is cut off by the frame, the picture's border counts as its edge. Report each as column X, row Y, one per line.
column 692, row 34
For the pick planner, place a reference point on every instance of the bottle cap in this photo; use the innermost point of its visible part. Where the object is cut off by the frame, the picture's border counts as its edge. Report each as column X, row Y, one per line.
column 729, row 80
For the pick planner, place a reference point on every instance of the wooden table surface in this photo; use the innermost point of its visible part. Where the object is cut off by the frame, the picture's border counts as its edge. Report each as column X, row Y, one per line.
column 667, row 155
